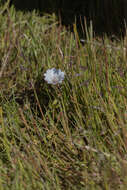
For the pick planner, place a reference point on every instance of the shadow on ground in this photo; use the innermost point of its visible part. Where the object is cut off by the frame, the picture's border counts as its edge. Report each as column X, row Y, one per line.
column 107, row 16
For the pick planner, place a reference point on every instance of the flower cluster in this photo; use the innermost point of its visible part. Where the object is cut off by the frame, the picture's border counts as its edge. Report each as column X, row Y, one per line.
column 54, row 76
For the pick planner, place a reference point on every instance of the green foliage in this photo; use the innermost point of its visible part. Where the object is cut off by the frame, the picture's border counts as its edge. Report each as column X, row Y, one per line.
column 71, row 136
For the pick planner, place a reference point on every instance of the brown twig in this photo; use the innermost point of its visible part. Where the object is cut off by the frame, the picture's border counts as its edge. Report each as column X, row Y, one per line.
column 5, row 61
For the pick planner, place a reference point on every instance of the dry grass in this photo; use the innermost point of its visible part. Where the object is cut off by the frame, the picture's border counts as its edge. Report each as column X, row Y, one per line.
column 72, row 136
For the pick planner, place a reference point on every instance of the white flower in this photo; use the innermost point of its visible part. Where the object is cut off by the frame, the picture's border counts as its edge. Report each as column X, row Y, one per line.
column 54, row 76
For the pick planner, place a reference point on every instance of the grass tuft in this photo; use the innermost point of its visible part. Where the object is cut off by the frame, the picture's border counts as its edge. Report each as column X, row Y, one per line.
column 68, row 136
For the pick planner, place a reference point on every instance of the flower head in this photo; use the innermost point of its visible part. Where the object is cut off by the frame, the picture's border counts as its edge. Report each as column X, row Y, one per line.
column 54, row 76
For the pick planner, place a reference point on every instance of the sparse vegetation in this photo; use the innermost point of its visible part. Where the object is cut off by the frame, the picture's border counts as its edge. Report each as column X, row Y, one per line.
column 68, row 136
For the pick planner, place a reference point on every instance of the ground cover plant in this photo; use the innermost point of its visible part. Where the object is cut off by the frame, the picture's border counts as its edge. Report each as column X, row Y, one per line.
column 71, row 135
